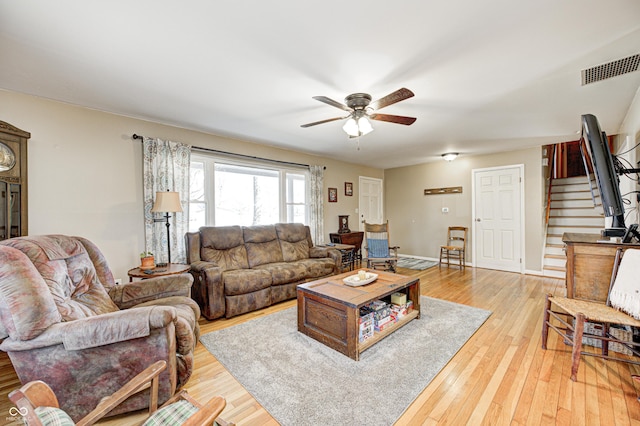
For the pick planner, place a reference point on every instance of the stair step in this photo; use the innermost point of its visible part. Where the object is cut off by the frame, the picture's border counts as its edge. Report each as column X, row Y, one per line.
column 554, row 274
column 560, row 209
column 556, row 245
column 554, row 262
column 570, row 180
column 555, row 239
column 576, row 221
column 555, row 268
column 554, row 251
column 575, row 229
column 555, row 256
column 571, row 195
column 571, row 187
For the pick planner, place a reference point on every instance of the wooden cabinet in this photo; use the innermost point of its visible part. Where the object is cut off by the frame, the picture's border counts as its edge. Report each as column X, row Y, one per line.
column 589, row 265
column 351, row 238
column 13, row 181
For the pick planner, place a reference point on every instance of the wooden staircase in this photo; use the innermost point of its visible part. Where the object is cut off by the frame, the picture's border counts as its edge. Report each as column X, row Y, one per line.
column 572, row 210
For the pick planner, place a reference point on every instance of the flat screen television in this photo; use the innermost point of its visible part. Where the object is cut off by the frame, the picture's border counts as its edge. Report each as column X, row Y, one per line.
column 599, row 156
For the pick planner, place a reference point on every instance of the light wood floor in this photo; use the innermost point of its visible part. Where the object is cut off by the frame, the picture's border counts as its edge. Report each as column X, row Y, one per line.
column 500, row 377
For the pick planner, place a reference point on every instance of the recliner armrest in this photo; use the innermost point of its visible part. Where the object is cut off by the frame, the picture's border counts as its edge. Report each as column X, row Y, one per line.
column 98, row 330
column 208, row 288
column 131, row 294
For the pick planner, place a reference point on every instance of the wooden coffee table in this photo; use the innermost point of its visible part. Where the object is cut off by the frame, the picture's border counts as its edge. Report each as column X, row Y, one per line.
column 329, row 310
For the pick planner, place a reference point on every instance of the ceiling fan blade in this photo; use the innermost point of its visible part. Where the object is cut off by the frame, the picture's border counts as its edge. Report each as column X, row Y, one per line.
column 333, row 103
column 399, row 119
column 392, row 98
column 323, row 121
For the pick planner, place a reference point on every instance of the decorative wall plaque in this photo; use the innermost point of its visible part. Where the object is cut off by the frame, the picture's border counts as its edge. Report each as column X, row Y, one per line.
column 449, row 190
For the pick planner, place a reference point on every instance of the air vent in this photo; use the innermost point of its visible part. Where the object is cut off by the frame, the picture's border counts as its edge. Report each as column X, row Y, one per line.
column 611, row 69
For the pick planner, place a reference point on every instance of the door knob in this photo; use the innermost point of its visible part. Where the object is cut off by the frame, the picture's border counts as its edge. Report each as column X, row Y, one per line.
column 478, row 219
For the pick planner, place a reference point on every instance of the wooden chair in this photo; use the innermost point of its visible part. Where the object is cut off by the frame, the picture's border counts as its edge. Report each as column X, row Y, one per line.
column 38, row 404
column 456, row 246
column 380, row 254
column 574, row 313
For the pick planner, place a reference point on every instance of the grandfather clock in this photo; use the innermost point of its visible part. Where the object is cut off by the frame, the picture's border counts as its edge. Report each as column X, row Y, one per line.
column 13, row 181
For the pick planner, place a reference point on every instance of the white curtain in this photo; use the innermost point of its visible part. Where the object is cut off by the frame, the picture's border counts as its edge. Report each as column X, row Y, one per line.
column 316, row 224
column 166, row 168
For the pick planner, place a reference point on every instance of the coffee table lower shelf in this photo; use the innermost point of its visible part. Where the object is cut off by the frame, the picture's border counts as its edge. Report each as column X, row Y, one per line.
column 379, row 335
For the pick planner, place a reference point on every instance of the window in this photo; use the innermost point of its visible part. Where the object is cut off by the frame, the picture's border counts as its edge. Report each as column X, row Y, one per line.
column 226, row 192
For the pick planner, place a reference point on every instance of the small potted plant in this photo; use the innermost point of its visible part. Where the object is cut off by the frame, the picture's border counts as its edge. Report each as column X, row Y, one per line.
column 147, row 260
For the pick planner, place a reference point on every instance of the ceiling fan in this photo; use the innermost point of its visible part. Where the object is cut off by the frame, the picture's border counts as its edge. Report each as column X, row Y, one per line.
column 360, row 109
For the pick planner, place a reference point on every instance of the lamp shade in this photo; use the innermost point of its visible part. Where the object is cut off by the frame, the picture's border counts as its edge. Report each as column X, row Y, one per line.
column 167, row 201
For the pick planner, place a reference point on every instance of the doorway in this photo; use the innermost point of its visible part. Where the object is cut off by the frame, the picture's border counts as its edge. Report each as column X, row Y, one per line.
column 498, row 217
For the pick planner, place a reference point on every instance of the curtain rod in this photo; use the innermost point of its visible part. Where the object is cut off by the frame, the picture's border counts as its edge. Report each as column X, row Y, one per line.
column 136, row 136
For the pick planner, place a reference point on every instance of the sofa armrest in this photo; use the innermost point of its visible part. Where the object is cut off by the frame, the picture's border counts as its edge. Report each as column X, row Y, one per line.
column 208, row 289
column 130, row 294
column 99, row 330
column 317, row 252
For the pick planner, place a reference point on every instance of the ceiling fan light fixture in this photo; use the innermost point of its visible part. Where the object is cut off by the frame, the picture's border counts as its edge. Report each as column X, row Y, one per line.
column 364, row 125
column 450, row 156
column 357, row 126
column 351, row 127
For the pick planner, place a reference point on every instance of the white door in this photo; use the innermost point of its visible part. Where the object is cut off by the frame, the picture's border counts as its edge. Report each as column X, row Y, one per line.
column 370, row 202
column 498, row 218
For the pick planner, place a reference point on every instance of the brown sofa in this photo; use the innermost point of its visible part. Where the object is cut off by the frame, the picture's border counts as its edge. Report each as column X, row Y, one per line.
column 64, row 321
column 242, row 269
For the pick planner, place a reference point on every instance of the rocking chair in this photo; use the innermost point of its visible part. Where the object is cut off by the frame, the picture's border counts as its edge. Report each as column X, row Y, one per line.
column 38, row 404
column 380, row 254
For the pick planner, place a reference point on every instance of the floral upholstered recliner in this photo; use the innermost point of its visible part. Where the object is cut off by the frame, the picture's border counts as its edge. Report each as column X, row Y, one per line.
column 64, row 321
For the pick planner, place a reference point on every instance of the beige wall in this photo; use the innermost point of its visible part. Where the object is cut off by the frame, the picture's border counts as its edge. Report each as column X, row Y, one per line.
column 417, row 222
column 628, row 137
column 85, row 172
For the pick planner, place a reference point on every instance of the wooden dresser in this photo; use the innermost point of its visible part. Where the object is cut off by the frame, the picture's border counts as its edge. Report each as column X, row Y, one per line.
column 589, row 265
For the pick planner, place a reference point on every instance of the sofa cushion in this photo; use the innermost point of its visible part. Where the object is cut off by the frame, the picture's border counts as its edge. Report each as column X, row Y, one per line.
column 294, row 242
column 26, row 305
column 317, row 268
column 243, row 281
column 236, row 305
column 294, row 251
column 285, row 272
column 224, row 246
column 262, row 245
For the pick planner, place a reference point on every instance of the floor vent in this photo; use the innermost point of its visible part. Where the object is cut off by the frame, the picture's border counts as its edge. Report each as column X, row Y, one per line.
column 611, row 69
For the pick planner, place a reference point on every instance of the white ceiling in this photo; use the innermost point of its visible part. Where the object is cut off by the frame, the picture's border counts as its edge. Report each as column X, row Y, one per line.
column 488, row 76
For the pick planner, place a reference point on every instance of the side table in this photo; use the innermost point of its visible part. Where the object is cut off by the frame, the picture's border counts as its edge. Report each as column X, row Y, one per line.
column 158, row 271
column 354, row 238
column 348, row 252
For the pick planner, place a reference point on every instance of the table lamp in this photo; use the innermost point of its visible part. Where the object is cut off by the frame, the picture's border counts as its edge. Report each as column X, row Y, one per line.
column 166, row 202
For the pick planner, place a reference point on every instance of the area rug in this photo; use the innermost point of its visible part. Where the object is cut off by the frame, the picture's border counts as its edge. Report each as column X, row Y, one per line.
column 413, row 263
column 300, row 381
